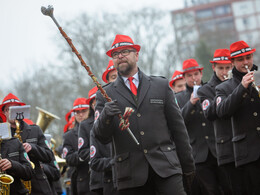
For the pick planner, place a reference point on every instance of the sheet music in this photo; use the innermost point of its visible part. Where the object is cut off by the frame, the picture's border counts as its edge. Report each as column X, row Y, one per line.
column 19, row 112
column 5, row 131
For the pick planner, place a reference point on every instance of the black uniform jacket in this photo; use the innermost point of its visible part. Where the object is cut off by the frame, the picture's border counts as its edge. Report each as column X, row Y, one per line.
column 156, row 123
column 243, row 105
column 222, row 127
column 95, row 178
column 200, row 130
column 52, row 172
column 21, row 168
column 40, row 152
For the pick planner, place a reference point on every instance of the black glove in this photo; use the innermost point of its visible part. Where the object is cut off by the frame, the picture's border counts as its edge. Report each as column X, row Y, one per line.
column 111, row 108
column 187, row 181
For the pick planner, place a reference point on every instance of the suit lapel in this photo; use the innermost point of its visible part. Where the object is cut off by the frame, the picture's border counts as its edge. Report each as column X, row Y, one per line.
column 122, row 89
column 143, row 87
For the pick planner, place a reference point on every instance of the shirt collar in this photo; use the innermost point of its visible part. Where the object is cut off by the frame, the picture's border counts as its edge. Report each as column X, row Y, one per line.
column 135, row 78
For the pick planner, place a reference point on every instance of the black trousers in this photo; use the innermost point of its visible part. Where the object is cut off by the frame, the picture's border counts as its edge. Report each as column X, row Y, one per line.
column 211, row 178
column 252, row 177
column 156, row 185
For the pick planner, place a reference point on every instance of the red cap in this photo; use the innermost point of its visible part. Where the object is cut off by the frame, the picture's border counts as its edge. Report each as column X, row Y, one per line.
column 28, row 121
column 221, row 56
column 3, row 117
column 69, row 125
column 240, row 48
column 92, row 94
column 122, row 41
column 68, row 115
column 80, row 104
column 110, row 67
column 10, row 98
column 190, row 65
column 176, row 76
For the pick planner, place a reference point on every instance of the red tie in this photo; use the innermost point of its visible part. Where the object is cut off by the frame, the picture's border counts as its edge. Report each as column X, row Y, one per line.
column 132, row 86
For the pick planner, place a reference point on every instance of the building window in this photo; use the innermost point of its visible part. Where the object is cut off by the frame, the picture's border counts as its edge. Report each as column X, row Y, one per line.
column 207, row 27
column 205, row 13
column 225, row 23
column 222, row 10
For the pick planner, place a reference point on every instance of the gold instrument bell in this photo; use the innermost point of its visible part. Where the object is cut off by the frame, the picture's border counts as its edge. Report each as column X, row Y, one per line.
column 61, row 162
column 45, row 118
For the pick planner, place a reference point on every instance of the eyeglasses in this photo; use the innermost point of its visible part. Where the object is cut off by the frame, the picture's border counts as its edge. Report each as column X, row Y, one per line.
column 124, row 52
column 80, row 111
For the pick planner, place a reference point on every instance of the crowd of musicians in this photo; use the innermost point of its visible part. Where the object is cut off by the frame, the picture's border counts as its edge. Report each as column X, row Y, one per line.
column 181, row 136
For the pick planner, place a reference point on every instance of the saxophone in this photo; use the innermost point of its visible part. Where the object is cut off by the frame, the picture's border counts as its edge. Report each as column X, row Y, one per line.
column 5, row 179
column 27, row 184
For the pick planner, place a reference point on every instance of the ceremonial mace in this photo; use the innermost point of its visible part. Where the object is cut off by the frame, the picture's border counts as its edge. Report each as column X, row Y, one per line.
column 123, row 120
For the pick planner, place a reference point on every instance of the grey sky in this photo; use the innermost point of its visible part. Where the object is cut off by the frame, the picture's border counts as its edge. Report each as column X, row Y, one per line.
column 26, row 35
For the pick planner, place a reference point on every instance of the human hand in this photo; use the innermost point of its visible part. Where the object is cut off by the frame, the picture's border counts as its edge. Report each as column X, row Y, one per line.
column 27, row 147
column 193, row 100
column 5, row 164
column 111, row 108
column 247, row 79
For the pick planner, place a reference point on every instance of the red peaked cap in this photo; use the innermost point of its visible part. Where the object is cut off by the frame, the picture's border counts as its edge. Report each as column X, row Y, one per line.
column 3, row 117
column 122, row 41
column 11, row 98
column 240, row 48
column 221, row 56
column 176, row 76
column 92, row 94
column 190, row 65
column 28, row 121
column 110, row 67
column 69, row 125
column 68, row 115
column 80, row 104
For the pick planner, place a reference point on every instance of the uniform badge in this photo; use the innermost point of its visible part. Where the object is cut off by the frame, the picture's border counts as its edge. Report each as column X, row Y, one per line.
column 92, row 151
column 64, row 152
column 56, row 164
column 47, row 143
column 26, row 156
column 205, row 104
column 96, row 115
column 218, row 100
column 80, row 142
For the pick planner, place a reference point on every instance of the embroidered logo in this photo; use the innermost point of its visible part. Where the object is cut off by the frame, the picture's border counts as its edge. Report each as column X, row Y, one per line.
column 92, row 151
column 80, row 142
column 96, row 115
column 205, row 104
column 13, row 154
column 47, row 143
column 26, row 156
column 64, row 152
column 56, row 165
column 156, row 101
column 218, row 100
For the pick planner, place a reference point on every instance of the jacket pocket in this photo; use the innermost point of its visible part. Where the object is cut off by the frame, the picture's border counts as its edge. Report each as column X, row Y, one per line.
column 240, row 146
column 170, row 153
column 224, row 147
column 123, row 167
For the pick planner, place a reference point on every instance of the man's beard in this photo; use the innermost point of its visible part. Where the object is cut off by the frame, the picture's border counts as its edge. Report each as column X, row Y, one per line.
column 125, row 71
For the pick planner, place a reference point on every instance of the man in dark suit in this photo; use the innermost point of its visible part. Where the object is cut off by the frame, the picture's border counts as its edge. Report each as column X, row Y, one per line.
column 200, row 130
column 155, row 166
column 231, row 181
column 238, row 99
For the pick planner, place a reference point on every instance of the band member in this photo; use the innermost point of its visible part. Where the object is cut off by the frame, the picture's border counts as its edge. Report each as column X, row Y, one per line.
column 237, row 98
column 221, row 65
column 110, row 73
column 34, row 144
column 177, row 82
column 101, row 154
column 14, row 163
column 164, row 153
column 95, row 178
column 200, row 130
column 80, row 177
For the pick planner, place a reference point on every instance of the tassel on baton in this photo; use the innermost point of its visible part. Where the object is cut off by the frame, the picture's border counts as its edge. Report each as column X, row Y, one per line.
column 124, row 124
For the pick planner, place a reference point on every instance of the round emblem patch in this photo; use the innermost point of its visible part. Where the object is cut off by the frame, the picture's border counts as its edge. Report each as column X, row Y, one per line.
column 96, row 115
column 92, row 151
column 205, row 104
column 80, row 142
column 64, row 152
column 26, row 156
column 56, row 165
column 47, row 143
column 218, row 100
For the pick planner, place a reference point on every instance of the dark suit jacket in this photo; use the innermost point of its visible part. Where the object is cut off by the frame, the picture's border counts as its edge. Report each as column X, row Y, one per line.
column 40, row 152
column 222, row 127
column 201, row 131
column 21, row 169
column 157, row 124
column 243, row 106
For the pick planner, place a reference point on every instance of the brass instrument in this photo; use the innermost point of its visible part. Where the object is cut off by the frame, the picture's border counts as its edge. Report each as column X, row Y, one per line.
column 253, row 83
column 27, row 184
column 45, row 118
column 61, row 162
column 5, row 179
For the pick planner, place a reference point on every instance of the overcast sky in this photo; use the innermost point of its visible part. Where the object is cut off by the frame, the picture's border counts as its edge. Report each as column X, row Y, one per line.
column 26, row 35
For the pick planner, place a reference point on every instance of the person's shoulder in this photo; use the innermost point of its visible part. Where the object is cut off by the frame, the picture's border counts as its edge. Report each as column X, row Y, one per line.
column 224, row 84
column 159, row 79
column 180, row 94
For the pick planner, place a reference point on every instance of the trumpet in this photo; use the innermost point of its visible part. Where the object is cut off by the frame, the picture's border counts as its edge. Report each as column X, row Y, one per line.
column 253, row 83
column 5, row 179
